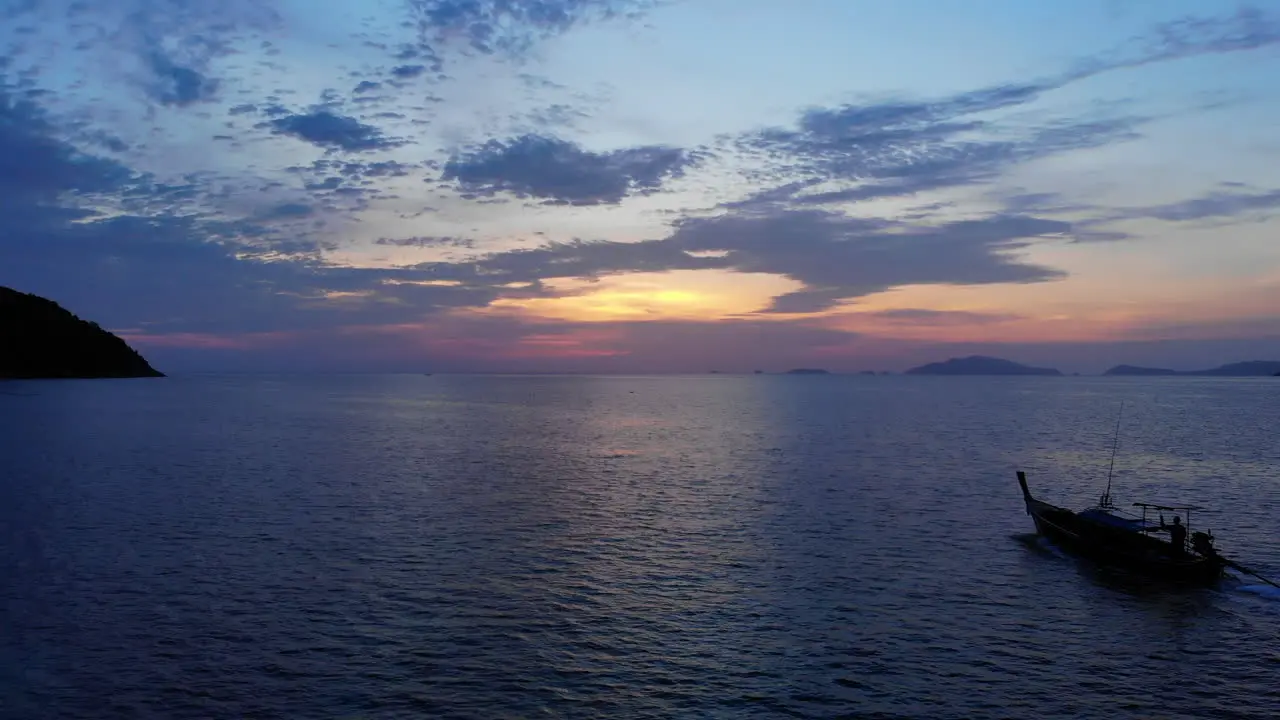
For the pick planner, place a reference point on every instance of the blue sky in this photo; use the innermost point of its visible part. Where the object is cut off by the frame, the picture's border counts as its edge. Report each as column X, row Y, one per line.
column 635, row 185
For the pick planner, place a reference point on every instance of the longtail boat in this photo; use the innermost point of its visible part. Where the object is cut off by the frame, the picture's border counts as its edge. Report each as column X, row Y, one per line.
column 1108, row 535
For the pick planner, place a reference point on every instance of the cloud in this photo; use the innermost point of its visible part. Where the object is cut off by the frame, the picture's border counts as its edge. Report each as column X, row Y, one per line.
column 142, row 253
column 289, row 210
column 1249, row 28
column 557, row 116
column 1039, row 202
column 174, row 275
column 172, row 44
column 901, row 147
column 562, row 172
column 344, row 171
column 502, row 27
column 36, row 165
column 428, row 242
column 1235, row 204
column 229, row 251
column 178, row 85
column 836, row 257
column 1214, row 205
column 406, row 72
column 577, row 259
column 325, row 129
column 940, row 318
column 897, row 148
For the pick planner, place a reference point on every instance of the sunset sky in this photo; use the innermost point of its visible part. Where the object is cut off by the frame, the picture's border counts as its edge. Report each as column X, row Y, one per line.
column 647, row 186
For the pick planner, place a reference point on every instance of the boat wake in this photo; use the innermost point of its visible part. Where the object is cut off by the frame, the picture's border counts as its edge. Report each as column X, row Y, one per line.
column 1040, row 544
column 1266, row 591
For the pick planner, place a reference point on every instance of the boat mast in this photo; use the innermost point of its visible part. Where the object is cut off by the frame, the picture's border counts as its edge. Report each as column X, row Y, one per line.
column 1105, row 500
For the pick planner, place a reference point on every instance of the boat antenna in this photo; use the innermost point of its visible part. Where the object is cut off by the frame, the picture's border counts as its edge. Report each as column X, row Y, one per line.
column 1115, row 443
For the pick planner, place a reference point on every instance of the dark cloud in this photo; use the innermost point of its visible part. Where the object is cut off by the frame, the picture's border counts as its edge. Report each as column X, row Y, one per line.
column 1088, row 232
column 405, row 72
column 169, row 254
column 563, row 172
column 177, row 267
column 428, row 242
column 175, row 42
column 328, row 130
column 578, row 259
column 1040, row 203
column 503, row 27
column 289, row 210
column 339, row 185
column 178, row 85
column 1236, row 203
column 1214, row 205
column 160, row 260
column 902, row 147
column 386, row 168
column 37, row 165
column 169, row 274
column 1249, row 28
column 898, row 149
column 835, row 257
column 838, row 257
column 932, row 318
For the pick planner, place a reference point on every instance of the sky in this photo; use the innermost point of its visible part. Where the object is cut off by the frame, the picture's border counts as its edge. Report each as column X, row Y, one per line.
column 633, row 186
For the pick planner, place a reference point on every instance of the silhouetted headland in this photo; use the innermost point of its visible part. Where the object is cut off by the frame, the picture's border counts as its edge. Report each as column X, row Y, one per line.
column 807, row 371
column 1252, row 368
column 39, row 339
column 979, row 365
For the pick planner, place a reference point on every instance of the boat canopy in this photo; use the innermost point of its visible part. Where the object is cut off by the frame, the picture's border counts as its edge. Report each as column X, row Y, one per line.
column 1106, row 518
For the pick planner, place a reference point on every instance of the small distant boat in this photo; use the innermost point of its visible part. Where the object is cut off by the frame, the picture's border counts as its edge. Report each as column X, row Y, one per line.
column 1106, row 534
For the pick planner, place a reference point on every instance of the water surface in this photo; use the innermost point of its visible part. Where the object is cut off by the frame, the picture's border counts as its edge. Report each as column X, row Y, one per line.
column 718, row 546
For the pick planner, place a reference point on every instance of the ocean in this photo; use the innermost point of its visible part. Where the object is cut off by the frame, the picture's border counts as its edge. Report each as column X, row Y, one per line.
column 720, row 546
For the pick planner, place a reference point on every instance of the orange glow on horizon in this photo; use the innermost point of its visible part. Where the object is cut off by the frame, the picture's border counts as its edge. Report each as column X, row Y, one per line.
column 601, row 315
column 677, row 295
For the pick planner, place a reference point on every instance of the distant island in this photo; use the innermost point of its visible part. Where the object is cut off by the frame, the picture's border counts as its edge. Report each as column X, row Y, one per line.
column 807, row 371
column 41, row 340
column 1136, row 370
column 979, row 365
column 1252, row 368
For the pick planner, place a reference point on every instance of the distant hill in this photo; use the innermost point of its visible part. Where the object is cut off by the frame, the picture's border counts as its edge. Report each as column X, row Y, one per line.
column 1136, row 370
column 979, row 365
column 807, row 371
column 1252, row 368
column 39, row 339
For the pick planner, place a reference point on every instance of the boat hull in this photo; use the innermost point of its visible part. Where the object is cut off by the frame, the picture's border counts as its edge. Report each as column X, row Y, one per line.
column 1118, row 547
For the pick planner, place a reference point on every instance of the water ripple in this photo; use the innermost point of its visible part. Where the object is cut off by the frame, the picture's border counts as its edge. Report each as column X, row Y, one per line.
column 765, row 547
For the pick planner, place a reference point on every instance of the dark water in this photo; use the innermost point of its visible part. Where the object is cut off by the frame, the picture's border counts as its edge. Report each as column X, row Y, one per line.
column 736, row 547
